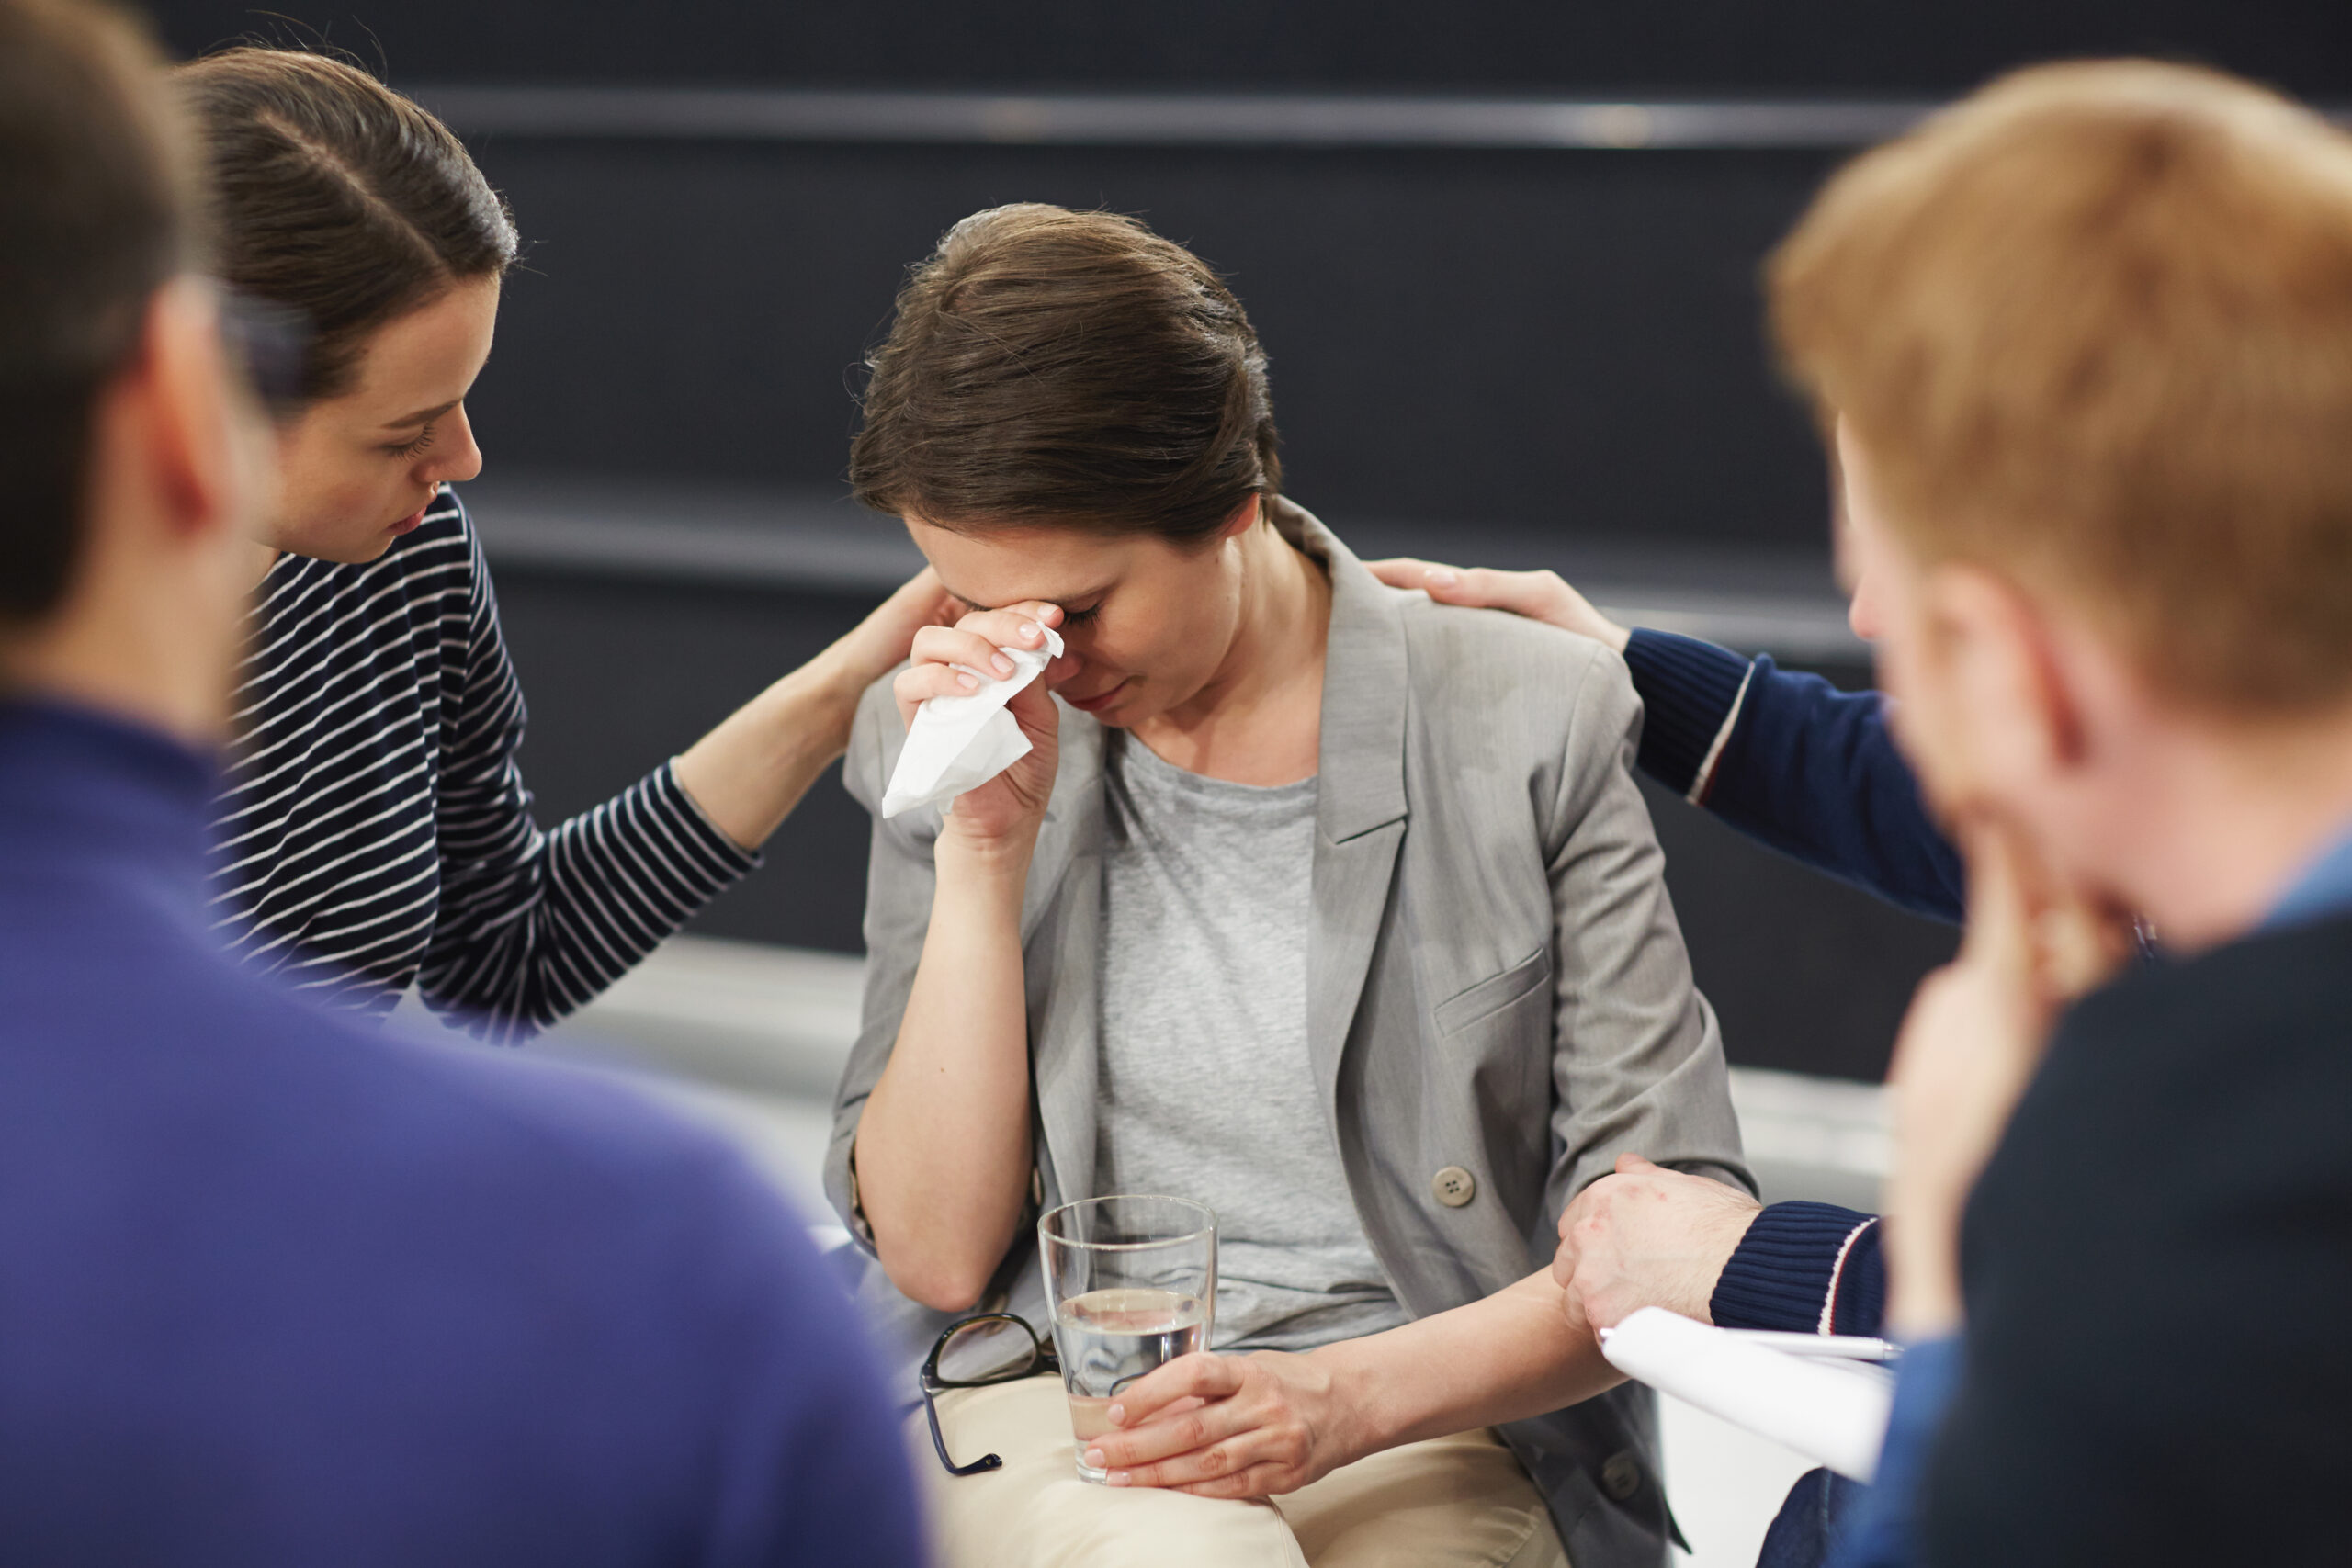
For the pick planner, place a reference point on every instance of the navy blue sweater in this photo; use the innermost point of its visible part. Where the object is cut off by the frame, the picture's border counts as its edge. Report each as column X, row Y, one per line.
column 277, row 1288
column 1812, row 771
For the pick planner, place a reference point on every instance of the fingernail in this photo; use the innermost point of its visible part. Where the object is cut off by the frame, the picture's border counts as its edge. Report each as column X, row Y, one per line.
column 969, row 683
column 1030, row 631
column 1003, row 665
column 1116, row 1478
column 1118, row 1414
column 1094, row 1459
column 1440, row 578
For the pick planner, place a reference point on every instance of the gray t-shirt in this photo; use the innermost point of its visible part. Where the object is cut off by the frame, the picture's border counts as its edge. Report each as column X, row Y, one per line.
column 1206, row 1091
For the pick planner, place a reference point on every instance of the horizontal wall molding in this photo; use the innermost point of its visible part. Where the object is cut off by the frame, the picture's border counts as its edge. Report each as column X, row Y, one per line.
column 804, row 540
column 1171, row 119
column 1163, row 119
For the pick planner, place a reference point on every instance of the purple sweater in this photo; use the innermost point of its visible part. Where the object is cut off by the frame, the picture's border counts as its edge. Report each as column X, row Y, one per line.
column 277, row 1287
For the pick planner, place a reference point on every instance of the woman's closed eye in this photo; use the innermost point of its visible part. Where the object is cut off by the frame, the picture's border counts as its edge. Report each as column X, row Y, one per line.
column 1080, row 617
column 412, row 448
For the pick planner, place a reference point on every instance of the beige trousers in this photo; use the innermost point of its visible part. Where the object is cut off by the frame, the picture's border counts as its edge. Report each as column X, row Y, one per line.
column 1459, row 1502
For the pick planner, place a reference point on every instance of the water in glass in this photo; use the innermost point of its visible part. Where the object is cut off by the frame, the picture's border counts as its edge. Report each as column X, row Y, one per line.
column 1132, row 1281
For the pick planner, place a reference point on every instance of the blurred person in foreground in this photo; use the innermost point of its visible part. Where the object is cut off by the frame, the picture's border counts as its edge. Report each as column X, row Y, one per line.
column 2113, row 376
column 2086, row 343
column 280, row 1289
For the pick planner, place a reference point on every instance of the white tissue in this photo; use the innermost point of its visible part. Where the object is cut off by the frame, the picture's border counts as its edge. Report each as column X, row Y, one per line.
column 959, row 743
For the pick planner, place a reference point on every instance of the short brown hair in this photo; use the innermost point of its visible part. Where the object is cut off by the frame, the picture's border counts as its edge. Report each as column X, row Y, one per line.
column 1067, row 368
column 2093, row 326
column 336, row 198
column 94, row 208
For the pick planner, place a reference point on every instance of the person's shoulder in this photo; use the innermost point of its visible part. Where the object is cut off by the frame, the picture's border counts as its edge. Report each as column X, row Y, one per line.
column 2185, row 1020
column 1476, row 667
column 571, row 1124
column 412, row 1119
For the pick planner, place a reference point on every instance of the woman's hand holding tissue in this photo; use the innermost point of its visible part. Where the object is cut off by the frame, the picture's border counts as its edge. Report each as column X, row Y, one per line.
column 955, row 662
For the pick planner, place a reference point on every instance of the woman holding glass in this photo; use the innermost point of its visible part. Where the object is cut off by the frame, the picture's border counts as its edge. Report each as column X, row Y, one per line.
column 1329, row 908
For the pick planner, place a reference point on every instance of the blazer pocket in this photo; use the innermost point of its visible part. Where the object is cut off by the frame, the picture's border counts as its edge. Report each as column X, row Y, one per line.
column 1492, row 995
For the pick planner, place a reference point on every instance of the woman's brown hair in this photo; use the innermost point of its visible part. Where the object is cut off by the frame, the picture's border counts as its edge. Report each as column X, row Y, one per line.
column 1067, row 368
column 333, row 196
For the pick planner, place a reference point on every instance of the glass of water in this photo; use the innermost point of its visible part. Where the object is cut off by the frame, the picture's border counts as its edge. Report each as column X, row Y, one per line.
column 1132, row 1283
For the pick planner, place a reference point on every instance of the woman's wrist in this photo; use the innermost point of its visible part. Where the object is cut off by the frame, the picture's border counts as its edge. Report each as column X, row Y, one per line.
column 1362, row 1407
column 983, row 858
column 819, row 699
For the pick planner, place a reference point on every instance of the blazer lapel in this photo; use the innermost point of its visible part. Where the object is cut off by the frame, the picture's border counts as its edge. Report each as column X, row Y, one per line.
column 1064, row 980
column 1360, row 809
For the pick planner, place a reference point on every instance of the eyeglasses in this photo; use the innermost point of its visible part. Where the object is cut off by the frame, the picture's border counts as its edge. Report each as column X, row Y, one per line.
column 974, row 1352
column 270, row 344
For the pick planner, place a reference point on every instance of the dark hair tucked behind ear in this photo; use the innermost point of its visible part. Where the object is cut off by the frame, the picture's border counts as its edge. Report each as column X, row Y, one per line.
column 1072, row 368
column 93, row 220
column 334, row 196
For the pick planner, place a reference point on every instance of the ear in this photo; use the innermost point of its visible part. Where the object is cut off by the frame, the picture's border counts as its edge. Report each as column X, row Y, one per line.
column 2009, row 687
column 1245, row 517
column 208, row 443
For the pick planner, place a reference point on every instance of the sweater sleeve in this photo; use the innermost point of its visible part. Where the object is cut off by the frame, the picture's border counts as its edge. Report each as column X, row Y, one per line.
column 533, row 924
column 1796, row 764
column 1690, row 691
column 1804, row 1269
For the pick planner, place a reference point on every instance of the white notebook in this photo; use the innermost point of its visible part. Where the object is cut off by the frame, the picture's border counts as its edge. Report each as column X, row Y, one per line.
column 1833, row 1412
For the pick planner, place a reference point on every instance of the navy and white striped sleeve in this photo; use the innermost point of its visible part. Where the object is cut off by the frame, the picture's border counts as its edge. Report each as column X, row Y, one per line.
column 1795, row 765
column 1804, row 1269
column 533, row 924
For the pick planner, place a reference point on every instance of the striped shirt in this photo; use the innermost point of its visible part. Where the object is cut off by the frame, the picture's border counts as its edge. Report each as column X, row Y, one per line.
column 373, row 830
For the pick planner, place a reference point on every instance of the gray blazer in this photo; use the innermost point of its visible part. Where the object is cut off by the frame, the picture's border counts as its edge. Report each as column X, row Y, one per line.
column 1501, row 1005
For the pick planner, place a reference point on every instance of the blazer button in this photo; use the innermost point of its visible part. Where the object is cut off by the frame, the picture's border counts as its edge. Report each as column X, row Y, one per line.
column 1621, row 1476
column 1453, row 1186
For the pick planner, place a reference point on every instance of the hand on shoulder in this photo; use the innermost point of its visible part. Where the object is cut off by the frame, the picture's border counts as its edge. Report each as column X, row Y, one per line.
column 1538, row 595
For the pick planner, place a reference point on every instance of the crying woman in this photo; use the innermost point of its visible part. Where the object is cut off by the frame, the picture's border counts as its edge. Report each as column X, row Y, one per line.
column 1329, row 907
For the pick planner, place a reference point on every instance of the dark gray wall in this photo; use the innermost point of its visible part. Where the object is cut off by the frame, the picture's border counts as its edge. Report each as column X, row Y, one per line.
column 1562, row 348
column 1624, row 46
column 1544, row 340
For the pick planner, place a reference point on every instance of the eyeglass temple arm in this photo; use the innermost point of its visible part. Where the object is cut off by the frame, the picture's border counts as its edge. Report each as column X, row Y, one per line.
column 939, row 1442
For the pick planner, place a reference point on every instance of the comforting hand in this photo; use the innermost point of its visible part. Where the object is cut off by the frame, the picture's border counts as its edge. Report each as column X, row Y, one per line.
column 944, row 661
column 1250, row 1425
column 1538, row 595
column 1647, row 1237
column 1969, row 1047
column 881, row 641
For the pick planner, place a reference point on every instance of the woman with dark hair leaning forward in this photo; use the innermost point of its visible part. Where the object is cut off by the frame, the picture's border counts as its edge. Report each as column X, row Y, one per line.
column 1329, row 906
column 374, row 831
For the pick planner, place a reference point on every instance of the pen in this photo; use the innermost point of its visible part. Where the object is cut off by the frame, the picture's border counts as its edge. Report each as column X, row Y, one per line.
column 1827, row 1347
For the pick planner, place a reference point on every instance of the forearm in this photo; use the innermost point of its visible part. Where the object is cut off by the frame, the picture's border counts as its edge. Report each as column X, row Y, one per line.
column 943, row 1145
column 1512, row 1355
column 750, row 772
